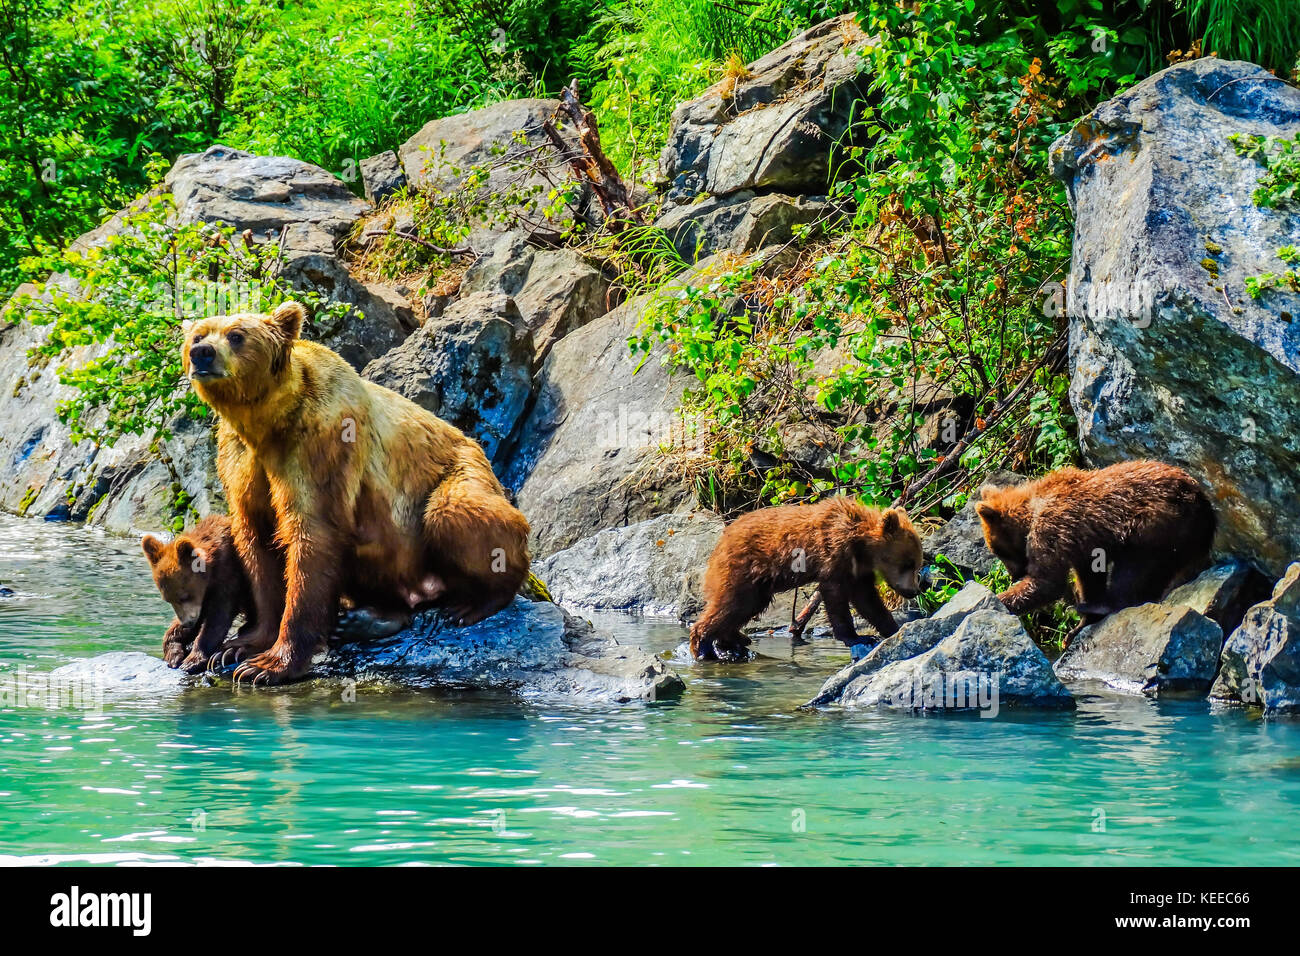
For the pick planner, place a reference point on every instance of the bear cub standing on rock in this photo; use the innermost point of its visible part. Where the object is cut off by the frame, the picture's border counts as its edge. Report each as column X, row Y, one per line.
column 840, row 544
column 1129, row 532
column 200, row 575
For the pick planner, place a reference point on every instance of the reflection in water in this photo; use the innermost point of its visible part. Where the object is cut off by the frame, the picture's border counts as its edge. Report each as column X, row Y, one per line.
column 733, row 772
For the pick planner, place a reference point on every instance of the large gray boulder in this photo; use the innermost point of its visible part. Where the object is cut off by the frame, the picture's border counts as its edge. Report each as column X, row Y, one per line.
column 1151, row 649
column 506, row 141
column 556, row 290
column 1260, row 664
column 985, row 663
column 589, row 456
column 645, row 567
column 265, row 194
column 1170, row 357
column 776, row 128
column 315, row 210
column 471, row 366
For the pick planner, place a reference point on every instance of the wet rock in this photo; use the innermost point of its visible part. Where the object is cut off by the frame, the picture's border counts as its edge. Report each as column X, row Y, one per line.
column 1170, row 357
column 1152, row 649
column 778, row 127
column 471, row 366
column 742, row 222
column 645, row 567
column 961, row 538
column 534, row 649
column 986, row 662
column 383, row 176
column 913, row 639
column 1223, row 593
column 1260, row 663
column 556, row 290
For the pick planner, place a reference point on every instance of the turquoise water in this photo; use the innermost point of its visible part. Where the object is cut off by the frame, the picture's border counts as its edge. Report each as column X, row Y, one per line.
column 731, row 773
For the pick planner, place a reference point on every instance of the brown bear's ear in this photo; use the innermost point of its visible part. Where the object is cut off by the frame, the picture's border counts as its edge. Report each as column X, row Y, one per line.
column 987, row 513
column 891, row 524
column 153, row 548
column 287, row 320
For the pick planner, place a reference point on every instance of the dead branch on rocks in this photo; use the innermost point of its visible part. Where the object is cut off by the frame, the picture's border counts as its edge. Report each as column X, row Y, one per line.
column 592, row 166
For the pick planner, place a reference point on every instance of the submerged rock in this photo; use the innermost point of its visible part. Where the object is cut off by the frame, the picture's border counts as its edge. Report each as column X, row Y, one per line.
column 970, row 655
column 1153, row 649
column 1170, row 357
column 1260, row 663
column 646, row 567
column 534, row 649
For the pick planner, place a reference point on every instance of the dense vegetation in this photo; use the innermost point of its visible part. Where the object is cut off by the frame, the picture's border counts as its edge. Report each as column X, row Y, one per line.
column 938, row 286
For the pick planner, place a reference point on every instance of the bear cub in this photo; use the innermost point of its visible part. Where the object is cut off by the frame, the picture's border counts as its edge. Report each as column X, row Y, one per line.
column 840, row 544
column 200, row 575
column 1130, row 533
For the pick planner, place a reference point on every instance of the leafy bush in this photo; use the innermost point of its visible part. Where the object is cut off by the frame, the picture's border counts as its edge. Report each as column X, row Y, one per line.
column 115, row 314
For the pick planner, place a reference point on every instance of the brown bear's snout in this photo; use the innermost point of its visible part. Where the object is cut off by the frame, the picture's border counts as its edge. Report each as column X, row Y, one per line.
column 203, row 358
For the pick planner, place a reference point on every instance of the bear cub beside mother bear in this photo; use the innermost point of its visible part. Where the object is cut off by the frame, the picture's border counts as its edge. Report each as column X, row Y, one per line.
column 338, row 486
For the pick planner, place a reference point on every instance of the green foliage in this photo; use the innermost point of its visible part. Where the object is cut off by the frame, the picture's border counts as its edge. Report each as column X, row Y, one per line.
column 1048, row 626
column 942, row 285
column 1279, row 188
column 115, row 315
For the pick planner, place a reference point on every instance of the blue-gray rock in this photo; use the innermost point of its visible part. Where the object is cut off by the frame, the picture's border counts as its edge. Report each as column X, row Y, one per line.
column 1151, row 649
column 383, row 176
column 741, row 222
column 471, row 366
column 1170, row 357
column 961, row 539
column 970, row 655
column 533, row 649
column 1260, row 664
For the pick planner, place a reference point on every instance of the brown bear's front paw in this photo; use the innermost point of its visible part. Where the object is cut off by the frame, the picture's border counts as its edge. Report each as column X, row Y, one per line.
column 237, row 648
column 195, row 662
column 276, row 666
column 174, row 653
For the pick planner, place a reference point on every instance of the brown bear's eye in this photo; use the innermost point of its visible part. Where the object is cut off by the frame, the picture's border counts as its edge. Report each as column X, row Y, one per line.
column 235, row 338
column 198, row 337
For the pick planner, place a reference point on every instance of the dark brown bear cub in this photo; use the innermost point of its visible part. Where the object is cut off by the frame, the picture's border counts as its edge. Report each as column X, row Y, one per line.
column 1129, row 532
column 840, row 544
column 200, row 575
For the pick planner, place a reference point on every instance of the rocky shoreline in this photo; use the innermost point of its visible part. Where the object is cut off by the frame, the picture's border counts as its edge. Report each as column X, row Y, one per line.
column 1168, row 358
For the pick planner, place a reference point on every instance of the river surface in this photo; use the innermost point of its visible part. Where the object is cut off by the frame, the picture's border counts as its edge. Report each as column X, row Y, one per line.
column 731, row 773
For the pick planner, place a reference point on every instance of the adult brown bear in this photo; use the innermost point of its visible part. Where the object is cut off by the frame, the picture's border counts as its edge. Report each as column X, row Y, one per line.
column 337, row 485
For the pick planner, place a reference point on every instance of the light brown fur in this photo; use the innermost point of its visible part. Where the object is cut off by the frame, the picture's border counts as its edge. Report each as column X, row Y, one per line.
column 1129, row 532
column 338, row 485
column 840, row 544
column 200, row 575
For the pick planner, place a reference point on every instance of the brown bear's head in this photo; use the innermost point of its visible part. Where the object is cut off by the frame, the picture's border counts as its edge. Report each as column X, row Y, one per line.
column 897, row 553
column 180, row 571
column 1003, row 513
column 239, row 359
